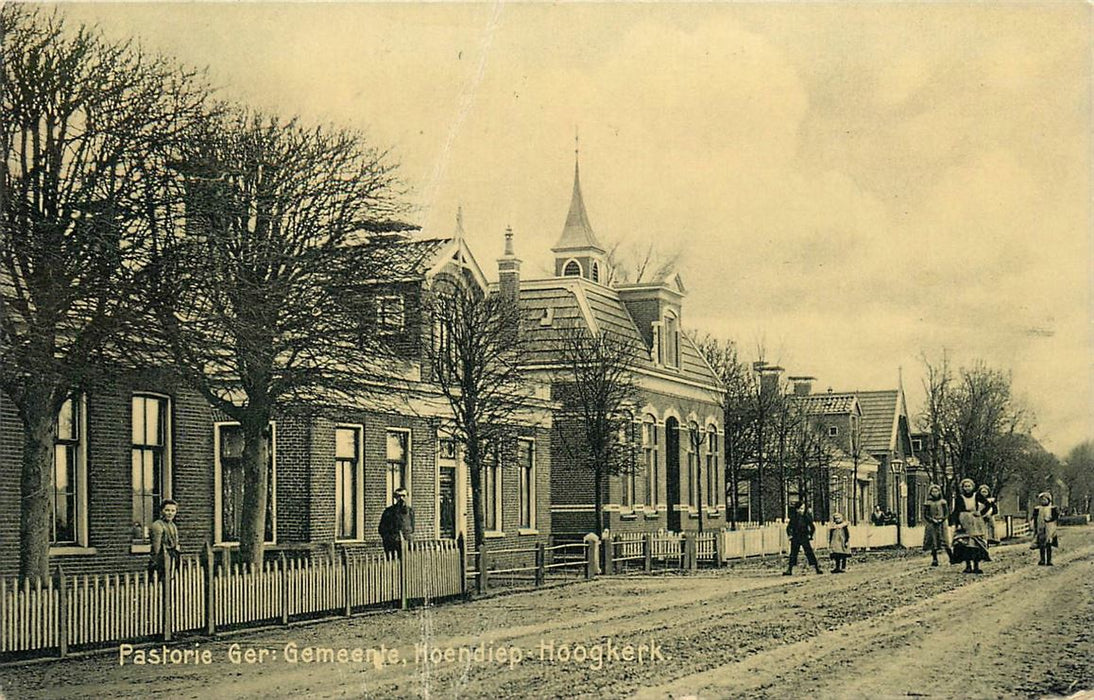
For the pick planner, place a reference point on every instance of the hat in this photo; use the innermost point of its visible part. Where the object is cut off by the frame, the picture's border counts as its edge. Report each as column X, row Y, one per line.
column 970, row 482
column 401, row 491
column 837, row 518
column 1045, row 494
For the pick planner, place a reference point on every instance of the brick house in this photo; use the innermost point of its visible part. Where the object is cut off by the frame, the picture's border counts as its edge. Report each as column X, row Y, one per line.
column 902, row 482
column 124, row 447
column 678, row 480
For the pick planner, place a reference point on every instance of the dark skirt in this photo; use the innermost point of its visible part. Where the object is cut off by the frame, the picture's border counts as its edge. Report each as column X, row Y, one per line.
column 934, row 537
column 969, row 548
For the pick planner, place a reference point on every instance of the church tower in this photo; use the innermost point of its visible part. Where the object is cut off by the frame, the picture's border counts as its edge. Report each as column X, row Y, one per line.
column 578, row 253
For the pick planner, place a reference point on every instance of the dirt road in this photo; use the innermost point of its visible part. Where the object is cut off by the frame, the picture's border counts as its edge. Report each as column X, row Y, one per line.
column 890, row 627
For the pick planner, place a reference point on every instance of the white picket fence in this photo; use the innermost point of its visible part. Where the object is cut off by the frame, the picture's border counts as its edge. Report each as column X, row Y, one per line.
column 89, row 610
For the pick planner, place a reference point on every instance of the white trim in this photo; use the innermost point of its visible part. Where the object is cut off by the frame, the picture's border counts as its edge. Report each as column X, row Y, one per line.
column 586, row 310
column 359, row 497
column 446, row 256
column 460, row 525
column 68, row 550
column 218, row 485
column 580, row 268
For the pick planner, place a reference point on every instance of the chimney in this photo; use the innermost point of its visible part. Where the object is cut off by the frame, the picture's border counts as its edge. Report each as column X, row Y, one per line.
column 803, row 386
column 509, row 270
column 769, row 377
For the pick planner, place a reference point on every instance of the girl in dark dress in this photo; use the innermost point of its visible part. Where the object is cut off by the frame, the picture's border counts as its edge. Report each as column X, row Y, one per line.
column 935, row 512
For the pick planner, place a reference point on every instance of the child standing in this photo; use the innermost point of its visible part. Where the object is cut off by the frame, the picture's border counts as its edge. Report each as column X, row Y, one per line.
column 839, row 543
column 1045, row 517
column 935, row 512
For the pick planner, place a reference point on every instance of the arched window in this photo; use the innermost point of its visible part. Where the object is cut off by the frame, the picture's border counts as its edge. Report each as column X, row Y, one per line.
column 630, row 467
column 596, row 272
column 695, row 442
column 650, row 457
column 571, row 269
column 712, row 467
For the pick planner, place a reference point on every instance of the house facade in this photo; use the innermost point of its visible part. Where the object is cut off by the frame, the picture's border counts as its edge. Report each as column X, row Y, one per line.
column 676, row 480
column 902, row 480
column 125, row 446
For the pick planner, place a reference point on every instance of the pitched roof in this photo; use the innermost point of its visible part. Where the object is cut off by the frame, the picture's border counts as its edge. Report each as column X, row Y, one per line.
column 399, row 258
column 879, row 418
column 551, row 308
column 825, row 404
column 578, row 232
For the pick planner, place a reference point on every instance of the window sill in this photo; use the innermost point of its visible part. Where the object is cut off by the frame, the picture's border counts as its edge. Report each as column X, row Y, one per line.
column 72, row 551
column 527, row 531
column 493, row 535
column 628, row 516
column 137, row 548
column 652, row 516
column 349, row 542
column 694, row 515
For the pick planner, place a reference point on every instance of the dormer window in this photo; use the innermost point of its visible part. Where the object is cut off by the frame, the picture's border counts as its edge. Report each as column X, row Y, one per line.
column 671, row 340
column 390, row 316
column 572, row 269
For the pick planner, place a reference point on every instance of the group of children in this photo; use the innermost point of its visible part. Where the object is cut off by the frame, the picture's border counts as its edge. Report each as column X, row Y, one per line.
column 972, row 516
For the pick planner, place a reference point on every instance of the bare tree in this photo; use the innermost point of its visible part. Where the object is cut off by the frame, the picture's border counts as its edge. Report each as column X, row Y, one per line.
column 738, row 412
column 258, row 298
column 1078, row 476
column 634, row 265
column 599, row 389
column 86, row 129
column 477, row 357
column 938, row 387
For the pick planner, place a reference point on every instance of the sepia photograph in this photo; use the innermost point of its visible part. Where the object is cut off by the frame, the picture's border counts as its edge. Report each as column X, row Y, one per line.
column 546, row 350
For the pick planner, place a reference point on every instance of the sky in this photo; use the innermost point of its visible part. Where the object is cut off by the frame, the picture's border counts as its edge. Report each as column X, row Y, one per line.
column 849, row 187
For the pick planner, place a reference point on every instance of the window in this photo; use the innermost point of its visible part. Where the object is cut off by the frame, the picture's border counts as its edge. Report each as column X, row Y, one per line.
column 69, row 498
column 833, row 430
column 447, row 492
column 744, row 502
column 917, row 445
column 228, row 439
column 712, row 466
column 571, row 269
column 348, row 484
column 671, row 340
column 650, row 458
column 150, row 468
column 526, row 464
column 595, row 273
column 398, row 461
column 389, row 314
column 694, row 442
column 629, row 466
column 491, row 488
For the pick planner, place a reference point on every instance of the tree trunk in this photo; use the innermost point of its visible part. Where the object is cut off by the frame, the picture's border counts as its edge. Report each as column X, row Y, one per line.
column 252, row 536
column 598, row 479
column 36, row 485
column 474, row 467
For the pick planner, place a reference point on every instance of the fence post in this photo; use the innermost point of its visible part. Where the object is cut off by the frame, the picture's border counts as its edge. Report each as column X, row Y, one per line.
column 592, row 555
column 62, row 613
column 483, row 582
column 691, row 546
column 719, row 548
column 647, row 551
column 284, row 588
column 403, row 552
column 609, row 552
column 461, row 545
column 346, row 579
column 540, row 561
column 168, row 616
column 210, row 607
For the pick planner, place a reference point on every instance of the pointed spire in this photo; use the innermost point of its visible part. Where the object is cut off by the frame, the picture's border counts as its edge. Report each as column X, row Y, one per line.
column 459, row 223
column 578, row 232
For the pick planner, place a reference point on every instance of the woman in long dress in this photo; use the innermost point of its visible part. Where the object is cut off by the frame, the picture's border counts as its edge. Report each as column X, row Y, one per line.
column 1045, row 517
column 970, row 543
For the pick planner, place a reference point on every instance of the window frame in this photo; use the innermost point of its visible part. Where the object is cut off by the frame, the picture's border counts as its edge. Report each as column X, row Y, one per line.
column 359, row 481
column 218, row 485
column 389, row 498
column 166, row 469
column 455, row 463
column 577, row 263
column 80, row 544
column 384, row 315
column 493, row 476
column 526, row 481
column 651, row 457
column 712, row 454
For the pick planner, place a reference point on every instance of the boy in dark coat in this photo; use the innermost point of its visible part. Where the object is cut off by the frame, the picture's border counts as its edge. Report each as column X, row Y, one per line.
column 800, row 531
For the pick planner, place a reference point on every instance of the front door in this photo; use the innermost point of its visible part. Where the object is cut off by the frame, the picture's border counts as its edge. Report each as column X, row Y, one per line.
column 447, row 495
column 672, row 472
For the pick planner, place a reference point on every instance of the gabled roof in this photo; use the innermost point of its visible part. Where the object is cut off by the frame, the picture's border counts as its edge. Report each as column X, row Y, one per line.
column 578, row 232
column 400, row 258
column 553, row 307
column 880, row 418
column 825, row 404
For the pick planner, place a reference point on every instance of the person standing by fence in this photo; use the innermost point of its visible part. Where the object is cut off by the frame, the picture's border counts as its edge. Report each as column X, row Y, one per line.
column 164, row 534
column 989, row 512
column 1045, row 517
column 935, row 513
column 839, row 543
column 397, row 523
column 800, row 530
